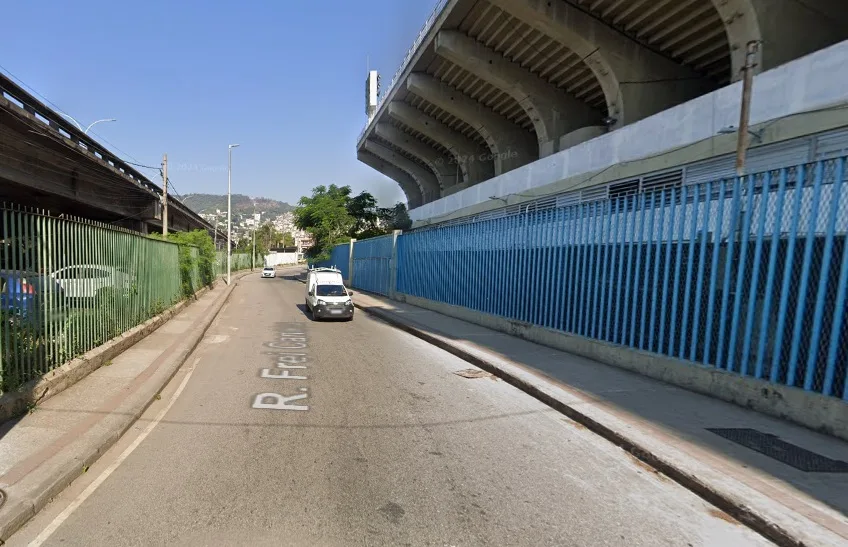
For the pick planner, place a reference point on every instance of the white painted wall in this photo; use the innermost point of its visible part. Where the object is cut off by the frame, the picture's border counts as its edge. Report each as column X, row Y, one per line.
column 810, row 83
column 569, row 226
column 280, row 259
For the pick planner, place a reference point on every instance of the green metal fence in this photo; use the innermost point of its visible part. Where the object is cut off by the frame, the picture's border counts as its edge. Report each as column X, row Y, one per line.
column 68, row 285
column 238, row 261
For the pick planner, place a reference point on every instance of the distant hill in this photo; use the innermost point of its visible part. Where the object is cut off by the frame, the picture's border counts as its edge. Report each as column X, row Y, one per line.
column 242, row 205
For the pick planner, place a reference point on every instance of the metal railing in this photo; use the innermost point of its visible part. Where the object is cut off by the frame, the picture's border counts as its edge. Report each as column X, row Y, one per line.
column 428, row 24
column 68, row 285
column 238, row 262
column 17, row 99
column 748, row 275
column 372, row 264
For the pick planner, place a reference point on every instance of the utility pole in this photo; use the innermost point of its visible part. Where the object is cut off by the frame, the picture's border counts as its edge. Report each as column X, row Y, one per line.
column 165, row 195
column 253, row 254
column 229, row 209
column 745, row 109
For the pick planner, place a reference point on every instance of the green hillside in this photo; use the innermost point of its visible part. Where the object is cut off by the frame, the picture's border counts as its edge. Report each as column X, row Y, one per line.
column 242, row 205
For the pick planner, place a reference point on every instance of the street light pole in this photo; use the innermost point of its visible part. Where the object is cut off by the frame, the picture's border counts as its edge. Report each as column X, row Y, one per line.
column 165, row 195
column 253, row 254
column 98, row 121
column 229, row 209
column 92, row 124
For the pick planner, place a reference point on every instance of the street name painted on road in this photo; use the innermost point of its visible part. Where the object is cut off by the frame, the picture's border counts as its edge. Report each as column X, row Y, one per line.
column 289, row 353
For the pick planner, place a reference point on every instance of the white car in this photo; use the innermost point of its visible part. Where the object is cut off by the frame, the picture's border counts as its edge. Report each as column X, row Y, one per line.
column 268, row 271
column 85, row 281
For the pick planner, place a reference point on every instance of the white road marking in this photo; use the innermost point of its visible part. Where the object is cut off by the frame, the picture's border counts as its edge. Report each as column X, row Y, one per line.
column 280, row 402
column 217, row 338
column 63, row 516
column 276, row 345
column 288, row 356
column 266, row 373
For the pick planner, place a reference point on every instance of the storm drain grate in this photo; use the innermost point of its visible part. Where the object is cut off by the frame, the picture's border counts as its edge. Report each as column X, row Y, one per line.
column 782, row 451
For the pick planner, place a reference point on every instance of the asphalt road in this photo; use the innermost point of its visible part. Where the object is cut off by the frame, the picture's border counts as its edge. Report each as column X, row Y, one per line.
column 389, row 446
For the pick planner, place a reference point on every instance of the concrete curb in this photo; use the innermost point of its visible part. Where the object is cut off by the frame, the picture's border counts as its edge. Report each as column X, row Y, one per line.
column 827, row 415
column 27, row 497
column 728, row 503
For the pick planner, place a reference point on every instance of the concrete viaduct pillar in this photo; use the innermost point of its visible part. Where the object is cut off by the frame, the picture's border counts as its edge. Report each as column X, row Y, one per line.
column 440, row 164
column 554, row 113
column 467, row 153
column 425, row 178
column 510, row 145
column 407, row 183
column 134, row 225
column 786, row 29
column 618, row 62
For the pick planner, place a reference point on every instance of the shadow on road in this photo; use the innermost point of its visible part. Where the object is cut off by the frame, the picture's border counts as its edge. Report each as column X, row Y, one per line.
column 412, row 424
column 670, row 410
column 7, row 426
column 305, row 311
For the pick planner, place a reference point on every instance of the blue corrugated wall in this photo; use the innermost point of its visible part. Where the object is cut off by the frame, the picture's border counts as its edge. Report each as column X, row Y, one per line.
column 339, row 258
column 372, row 264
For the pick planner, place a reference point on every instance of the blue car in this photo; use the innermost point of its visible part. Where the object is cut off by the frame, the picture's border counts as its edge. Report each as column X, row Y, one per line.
column 23, row 294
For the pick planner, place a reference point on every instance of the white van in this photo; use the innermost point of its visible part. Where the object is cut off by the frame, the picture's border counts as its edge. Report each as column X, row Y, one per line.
column 326, row 295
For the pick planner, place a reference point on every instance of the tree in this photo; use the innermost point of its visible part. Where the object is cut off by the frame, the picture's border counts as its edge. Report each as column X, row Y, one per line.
column 203, row 262
column 395, row 218
column 268, row 235
column 363, row 208
column 332, row 216
column 245, row 244
column 325, row 215
column 288, row 240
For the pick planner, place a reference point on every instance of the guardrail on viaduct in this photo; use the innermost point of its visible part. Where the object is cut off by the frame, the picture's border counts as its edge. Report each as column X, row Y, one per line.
column 18, row 98
column 746, row 275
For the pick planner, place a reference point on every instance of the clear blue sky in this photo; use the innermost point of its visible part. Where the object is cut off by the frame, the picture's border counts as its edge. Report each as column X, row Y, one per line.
column 286, row 80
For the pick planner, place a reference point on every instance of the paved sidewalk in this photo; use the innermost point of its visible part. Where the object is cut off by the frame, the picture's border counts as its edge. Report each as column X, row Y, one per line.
column 664, row 425
column 45, row 450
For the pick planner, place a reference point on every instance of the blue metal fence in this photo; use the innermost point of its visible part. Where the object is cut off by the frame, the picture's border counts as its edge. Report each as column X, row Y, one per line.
column 749, row 275
column 372, row 264
column 339, row 259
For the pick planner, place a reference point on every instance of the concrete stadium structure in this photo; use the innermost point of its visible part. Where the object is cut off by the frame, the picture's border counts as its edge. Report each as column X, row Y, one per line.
column 48, row 163
column 501, row 102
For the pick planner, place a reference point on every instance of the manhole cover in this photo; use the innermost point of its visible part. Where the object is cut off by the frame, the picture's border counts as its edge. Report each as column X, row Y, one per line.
column 782, row 451
column 2, row 498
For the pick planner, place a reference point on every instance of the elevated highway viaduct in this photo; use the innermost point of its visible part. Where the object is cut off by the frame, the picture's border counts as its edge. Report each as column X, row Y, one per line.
column 47, row 163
